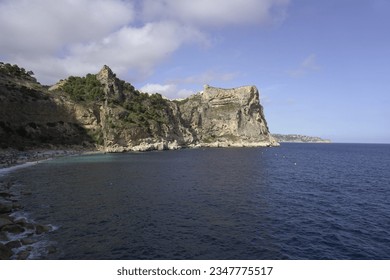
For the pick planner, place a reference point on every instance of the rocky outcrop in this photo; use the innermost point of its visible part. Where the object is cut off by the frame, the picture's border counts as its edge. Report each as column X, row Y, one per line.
column 226, row 117
column 115, row 117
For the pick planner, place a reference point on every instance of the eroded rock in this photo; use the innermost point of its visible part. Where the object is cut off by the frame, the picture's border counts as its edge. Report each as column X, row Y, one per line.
column 39, row 229
column 4, row 222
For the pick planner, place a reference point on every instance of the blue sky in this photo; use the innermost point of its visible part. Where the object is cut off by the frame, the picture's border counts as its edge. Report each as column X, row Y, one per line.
column 322, row 67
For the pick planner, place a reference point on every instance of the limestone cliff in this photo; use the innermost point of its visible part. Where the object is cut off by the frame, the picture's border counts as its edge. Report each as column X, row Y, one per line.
column 113, row 116
column 226, row 117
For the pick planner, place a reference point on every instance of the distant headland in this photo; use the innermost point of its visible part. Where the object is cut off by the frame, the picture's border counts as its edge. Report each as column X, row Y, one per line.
column 296, row 138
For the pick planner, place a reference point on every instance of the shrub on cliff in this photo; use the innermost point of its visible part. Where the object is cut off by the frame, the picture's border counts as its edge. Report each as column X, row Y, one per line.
column 84, row 88
column 144, row 107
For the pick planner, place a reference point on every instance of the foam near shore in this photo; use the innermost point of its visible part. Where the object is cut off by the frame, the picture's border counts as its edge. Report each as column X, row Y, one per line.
column 20, row 236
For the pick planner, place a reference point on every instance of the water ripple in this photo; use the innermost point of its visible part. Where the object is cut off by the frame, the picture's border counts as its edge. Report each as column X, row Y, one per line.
column 294, row 202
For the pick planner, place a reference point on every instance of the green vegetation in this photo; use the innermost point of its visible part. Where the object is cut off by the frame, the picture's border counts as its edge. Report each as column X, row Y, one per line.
column 127, row 87
column 84, row 89
column 14, row 70
column 144, row 108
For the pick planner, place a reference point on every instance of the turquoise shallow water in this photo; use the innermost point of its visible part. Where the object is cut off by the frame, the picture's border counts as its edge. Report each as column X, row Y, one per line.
column 298, row 201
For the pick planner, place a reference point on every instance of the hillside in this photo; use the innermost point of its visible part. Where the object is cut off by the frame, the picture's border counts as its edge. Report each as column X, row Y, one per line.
column 103, row 112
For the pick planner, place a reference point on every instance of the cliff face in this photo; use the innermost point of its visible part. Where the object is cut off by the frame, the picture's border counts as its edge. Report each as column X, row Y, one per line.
column 113, row 116
column 135, row 121
column 226, row 117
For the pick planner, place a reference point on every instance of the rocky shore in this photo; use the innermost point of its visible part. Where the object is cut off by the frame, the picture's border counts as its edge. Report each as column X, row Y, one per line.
column 12, row 157
column 20, row 237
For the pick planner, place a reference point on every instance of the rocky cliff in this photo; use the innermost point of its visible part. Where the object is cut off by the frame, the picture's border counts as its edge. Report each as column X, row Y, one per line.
column 226, row 117
column 107, row 113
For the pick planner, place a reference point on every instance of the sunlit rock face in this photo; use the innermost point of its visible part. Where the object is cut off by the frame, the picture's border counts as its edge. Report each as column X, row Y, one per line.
column 226, row 117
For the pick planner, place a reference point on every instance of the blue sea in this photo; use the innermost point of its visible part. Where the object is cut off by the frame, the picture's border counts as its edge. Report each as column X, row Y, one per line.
column 296, row 201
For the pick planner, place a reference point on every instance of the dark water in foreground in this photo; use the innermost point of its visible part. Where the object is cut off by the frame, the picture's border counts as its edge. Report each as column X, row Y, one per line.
column 298, row 201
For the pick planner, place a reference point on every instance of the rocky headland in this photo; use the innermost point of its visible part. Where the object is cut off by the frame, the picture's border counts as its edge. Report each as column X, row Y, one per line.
column 296, row 138
column 101, row 112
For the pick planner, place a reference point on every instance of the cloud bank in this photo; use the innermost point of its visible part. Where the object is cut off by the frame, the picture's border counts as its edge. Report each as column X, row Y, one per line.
column 56, row 39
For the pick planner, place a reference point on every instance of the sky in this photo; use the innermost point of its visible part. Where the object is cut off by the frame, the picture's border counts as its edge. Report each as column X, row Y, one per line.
column 322, row 67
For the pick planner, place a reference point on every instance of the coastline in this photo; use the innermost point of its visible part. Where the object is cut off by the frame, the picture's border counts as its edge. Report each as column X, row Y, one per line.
column 11, row 157
column 20, row 237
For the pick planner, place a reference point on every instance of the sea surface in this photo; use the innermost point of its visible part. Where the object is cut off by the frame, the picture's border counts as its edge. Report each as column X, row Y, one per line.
column 297, row 201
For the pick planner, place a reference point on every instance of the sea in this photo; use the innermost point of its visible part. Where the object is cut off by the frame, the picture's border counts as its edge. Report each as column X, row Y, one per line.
column 297, row 201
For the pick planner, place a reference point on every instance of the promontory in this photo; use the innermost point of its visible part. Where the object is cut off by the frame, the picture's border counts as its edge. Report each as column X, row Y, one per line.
column 102, row 112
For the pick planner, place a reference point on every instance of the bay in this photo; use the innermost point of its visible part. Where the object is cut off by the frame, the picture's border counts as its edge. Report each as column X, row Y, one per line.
column 297, row 201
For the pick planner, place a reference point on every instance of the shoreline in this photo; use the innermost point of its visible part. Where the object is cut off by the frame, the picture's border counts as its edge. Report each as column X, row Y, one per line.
column 11, row 158
column 20, row 237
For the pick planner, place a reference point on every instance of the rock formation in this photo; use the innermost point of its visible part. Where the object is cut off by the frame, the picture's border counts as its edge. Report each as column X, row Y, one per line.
column 107, row 113
column 226, row 117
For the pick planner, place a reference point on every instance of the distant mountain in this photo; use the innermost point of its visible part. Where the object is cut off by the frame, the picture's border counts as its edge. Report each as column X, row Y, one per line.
column 296, row 138
column 106, row 113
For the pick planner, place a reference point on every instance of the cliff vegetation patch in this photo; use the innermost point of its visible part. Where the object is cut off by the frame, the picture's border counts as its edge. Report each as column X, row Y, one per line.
column 86, row 88
column 14, row 70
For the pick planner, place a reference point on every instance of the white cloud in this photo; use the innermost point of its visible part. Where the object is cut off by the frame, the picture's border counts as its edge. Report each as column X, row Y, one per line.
column 158, row 88
column 44, row 26
column 216, row 12
column 41, row 35
column 139, row 49
column 56, row 39
column 309, row 64
column 170, row 91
